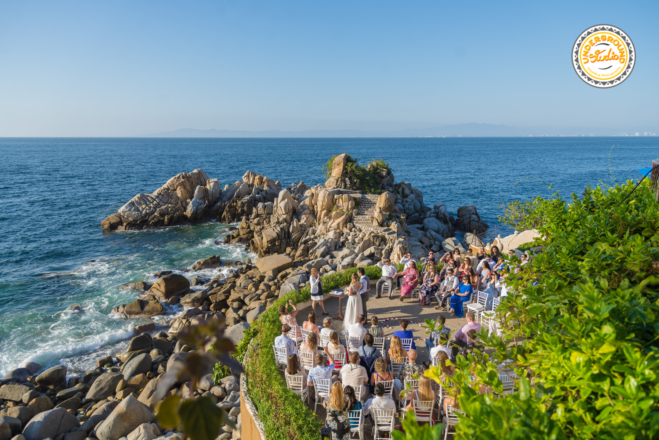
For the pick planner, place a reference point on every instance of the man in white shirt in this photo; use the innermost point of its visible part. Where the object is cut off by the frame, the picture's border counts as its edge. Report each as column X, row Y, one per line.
column 378, row 402
column 449, row 287
column 365, row 289
column 284, row 341
column 388, row 273
column 357, row 329
column 354, row 374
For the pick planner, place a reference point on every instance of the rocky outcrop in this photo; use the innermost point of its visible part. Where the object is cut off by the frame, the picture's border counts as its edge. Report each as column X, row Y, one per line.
column 208, row 263
column 336, row 177
column 125, row 418
column 169, row 286
column 50, row 424
column 470, row 221
column 185, row 197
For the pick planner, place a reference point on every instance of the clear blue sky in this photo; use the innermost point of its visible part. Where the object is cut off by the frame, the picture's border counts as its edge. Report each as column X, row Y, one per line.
column 122, row 68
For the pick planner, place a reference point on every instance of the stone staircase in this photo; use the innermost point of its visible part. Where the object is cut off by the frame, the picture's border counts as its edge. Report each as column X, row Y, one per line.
column 366, row 210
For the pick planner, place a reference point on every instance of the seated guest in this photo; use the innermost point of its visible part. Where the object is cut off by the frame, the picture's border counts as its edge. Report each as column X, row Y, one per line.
column 404, row 333
column 404, row 261
column 461, row 298
column 294, row 369
column 311, row 323
column 357, row 329
column 327, row 327
column 310, row 345
column 284, row 341
column 430, row 258
column 351, row 398
column 430, row 286
column 410, row 369
column 335, row 347
column 424, row 393
column 465, row 267
column 448, row 266
column 388, row 273
column 410, row 281
column 382, row 374
column 496, row 254
column 289, row 318
column 378, row 402
column 472, row 338
column 491, row 287
column 375, row 329
column 474, row 280
column 337, row 401
column 354, row 374
column 396, row 352
column 438, row 337
column 449, row 287
column 435, row 351
column 321, row 371
column 368, row 349
column 485, row 269
column 337, row 418
column 481, row 253
column 461, row 340
column 457, row 257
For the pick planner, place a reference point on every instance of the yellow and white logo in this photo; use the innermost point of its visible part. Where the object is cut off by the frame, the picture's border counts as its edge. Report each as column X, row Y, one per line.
column 603, row 56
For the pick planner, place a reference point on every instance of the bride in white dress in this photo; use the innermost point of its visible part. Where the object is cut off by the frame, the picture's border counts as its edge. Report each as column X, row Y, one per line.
column 354, row 303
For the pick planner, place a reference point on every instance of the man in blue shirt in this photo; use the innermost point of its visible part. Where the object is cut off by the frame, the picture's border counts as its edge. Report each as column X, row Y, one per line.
column 320, row 372
column 403, row 333
column 284, row 341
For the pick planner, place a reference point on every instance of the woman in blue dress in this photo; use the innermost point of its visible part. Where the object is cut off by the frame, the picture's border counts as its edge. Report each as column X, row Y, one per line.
column 460, row 298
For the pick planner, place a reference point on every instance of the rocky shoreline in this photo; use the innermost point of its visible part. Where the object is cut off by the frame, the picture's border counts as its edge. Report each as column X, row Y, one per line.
column 329, row 227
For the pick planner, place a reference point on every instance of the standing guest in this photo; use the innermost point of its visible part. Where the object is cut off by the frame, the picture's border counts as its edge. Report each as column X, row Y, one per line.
column 461, row 297
column 410, row 369
column 311, row 323
column 378, row 402
column 354, row 374
column 404, row 333
column 354, row 304
column 375, row 329
column 404, row 262
column 368, row 350
column 321, row 371
column 388, row 273
column 293, row 368
column 429, row 287
column 284, row 341
column 448, row 289
column 438, row 337
column 411, row 280
column 396, row 351
column 316, row 291
column 461, row 339
column 326, row 331
column 365, row 289
column 289, row 318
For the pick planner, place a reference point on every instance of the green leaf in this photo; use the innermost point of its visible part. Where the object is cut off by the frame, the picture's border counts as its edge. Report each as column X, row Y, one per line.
column 524, row 388
column 606, row 348
column 202, row 420
column 167, row 412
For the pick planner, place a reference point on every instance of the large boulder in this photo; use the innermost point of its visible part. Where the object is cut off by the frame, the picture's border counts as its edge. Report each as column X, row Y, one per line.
column 338, row 165
column 146, row 431
column 123, row 420
column 277, row 262
column 169, row 286
column 14, row 425
column 138, row 364
column 5, row 430
column 104, row 386
column 432, row 224
column 22, row 413
column 50, row 424
column 148, row 395
column 40, row 404
column 208, row 263
column 16, row 375
column 54, row 376
column 386, row 202
column 141, row 307
column 470, row 221
column 13, row 392
column 235, row 333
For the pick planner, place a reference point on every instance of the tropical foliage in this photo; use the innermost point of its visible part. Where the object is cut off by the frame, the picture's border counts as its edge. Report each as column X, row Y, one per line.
column 364, row 177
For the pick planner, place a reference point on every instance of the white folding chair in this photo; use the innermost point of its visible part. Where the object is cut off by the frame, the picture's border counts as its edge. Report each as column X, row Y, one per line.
column 296, row 384
column 508, row 380
column 489, row 317
column 343, row 339
column 354, row 344
column 324, row 340
column 423, row 410
column 414, row 384
column 306, row 358
column 356, row 423
column 281, row 356
column 305, row 333
column 292, row 333
column 407, row 343
column 451, row 419
column 439, row 394
column 386, row 290
column 388, row 388
column 396, row 367
column 479, row 306
column 339, row 359
column 380, row 343
column 383, row 423
column 321, row 390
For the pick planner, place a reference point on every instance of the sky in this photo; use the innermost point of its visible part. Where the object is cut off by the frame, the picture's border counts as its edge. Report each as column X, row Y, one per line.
column 126, row 68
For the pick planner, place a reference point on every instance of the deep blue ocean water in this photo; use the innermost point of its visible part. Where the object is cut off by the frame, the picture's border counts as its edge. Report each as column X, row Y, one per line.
column 54, row 193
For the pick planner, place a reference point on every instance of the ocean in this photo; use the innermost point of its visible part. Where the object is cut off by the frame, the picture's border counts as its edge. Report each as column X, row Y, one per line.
column 54, row 193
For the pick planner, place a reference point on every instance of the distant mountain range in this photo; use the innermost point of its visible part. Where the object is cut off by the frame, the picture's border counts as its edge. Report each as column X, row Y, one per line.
column 464, row 130
column 467, row 130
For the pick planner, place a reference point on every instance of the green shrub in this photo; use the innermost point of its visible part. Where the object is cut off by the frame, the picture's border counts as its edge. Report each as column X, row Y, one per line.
column 585, row 322
column 365, row 177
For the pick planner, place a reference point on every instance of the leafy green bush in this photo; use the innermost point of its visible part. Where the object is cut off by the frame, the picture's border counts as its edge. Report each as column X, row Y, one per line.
column 364, row 177
column 584, row 322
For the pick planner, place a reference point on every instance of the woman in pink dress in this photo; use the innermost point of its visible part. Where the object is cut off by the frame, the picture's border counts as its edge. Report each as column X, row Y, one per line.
column 410, row 281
